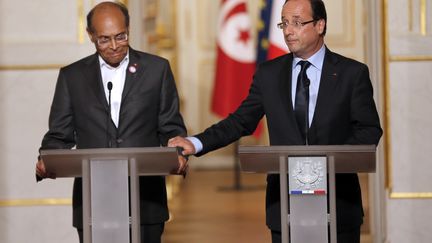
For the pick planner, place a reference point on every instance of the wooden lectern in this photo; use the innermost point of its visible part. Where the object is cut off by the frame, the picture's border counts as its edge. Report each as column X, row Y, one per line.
column 105, row 174
column 308, row 167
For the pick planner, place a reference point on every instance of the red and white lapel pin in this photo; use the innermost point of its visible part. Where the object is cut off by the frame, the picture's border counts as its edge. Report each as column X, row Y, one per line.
column 133, row 68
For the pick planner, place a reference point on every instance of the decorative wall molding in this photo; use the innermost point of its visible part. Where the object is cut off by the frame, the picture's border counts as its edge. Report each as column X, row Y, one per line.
column 30, row 67
column 410, row 40
column 345, row 14
column 36, row 202
column 395, row 58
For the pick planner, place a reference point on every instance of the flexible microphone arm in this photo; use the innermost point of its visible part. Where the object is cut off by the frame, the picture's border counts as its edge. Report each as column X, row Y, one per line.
column 306, row 84
column 109, row 86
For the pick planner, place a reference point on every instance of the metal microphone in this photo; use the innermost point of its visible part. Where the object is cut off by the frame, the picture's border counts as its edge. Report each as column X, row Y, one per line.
column 306, row 84
column 109, row 86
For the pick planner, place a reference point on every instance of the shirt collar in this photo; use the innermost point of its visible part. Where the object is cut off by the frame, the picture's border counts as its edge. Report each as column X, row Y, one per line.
column 104, row 64
column 316, row 59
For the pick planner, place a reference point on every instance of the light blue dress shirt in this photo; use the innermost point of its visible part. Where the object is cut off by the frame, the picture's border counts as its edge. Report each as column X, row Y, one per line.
column 314, row 75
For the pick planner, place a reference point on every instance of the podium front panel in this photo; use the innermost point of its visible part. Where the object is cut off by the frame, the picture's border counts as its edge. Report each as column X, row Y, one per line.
column 109, row 201
column 308, row 199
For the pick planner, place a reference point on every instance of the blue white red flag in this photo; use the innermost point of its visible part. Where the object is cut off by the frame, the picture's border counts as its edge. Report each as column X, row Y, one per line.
column 271, row 43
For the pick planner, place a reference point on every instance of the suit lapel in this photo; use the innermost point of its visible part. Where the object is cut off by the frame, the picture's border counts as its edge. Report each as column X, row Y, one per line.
column 329, row 80
column 134, row 70
column 285, row 84
column 93, row 74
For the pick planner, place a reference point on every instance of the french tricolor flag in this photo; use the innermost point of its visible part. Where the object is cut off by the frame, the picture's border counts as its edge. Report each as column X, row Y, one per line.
column 271, row 43
column 308, row 192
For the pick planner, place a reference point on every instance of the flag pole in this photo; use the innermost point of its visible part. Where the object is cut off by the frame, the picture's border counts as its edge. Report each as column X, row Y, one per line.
column 237, row 176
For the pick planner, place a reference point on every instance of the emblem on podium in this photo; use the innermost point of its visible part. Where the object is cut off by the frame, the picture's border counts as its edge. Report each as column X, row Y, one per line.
column 306, row 175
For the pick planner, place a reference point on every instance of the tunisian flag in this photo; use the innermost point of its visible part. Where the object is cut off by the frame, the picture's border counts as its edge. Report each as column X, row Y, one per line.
column 235, row 63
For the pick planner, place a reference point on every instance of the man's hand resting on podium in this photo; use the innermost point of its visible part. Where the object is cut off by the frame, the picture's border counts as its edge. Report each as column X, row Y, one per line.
column 188, row 147
column 41, row 172
column 183, row 165
column 184, row 149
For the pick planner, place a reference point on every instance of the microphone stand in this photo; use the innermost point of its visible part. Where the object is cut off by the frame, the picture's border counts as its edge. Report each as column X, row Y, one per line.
column 109, row 86
column 306, row 85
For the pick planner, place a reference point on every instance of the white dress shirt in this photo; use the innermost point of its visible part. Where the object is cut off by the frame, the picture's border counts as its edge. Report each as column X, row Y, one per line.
column 117, row 76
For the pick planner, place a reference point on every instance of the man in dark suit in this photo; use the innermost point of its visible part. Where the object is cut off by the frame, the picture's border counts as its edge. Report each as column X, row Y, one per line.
column 144, row 109
column 340, row 110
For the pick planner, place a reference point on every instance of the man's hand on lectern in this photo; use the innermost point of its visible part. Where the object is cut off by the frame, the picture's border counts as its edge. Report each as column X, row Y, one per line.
column 41, row 172
column 184, row 149
column 188, row 147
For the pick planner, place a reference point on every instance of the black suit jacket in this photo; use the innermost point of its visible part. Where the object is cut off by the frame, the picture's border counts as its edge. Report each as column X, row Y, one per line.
column 149, row 116
column 345, row 113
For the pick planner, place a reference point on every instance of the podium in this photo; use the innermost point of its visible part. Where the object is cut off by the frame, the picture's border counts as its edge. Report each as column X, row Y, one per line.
column 307, row 167
column 105, row 175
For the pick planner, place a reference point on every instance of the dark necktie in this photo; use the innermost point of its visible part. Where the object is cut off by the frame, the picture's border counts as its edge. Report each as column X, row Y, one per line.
column 301, row 108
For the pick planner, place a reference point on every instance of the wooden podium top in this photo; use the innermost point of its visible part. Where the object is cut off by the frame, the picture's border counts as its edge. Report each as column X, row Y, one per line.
column 150, row 160
column 348, row 158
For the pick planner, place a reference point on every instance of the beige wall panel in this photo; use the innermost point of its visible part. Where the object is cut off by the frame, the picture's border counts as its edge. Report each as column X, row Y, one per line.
column 36, row 22
column 408, row 83
column 345, row 30
column 188, row 58
column 341, row 19
column 40, row 33
column 410, row 128
column 408, row 96
column 410, row 28
column 25, row 102
column 46, row 225
column 36, row 38
column 207, row 24
column 409, row 221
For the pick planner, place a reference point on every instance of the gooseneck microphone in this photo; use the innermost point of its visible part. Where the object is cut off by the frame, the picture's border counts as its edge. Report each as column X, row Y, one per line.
column 109, row 118
column 306, row 84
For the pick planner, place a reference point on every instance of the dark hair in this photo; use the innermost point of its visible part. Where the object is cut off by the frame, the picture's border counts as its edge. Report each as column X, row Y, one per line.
column 318, row 12
column 119, row 5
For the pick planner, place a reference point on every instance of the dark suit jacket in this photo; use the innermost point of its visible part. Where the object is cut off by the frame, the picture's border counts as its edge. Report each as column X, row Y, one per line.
column 149, row 116
column 345, row 113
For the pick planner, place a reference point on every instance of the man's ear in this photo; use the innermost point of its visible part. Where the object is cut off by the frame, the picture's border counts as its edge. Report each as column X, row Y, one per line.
column 90, row 34
column 321, row 25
